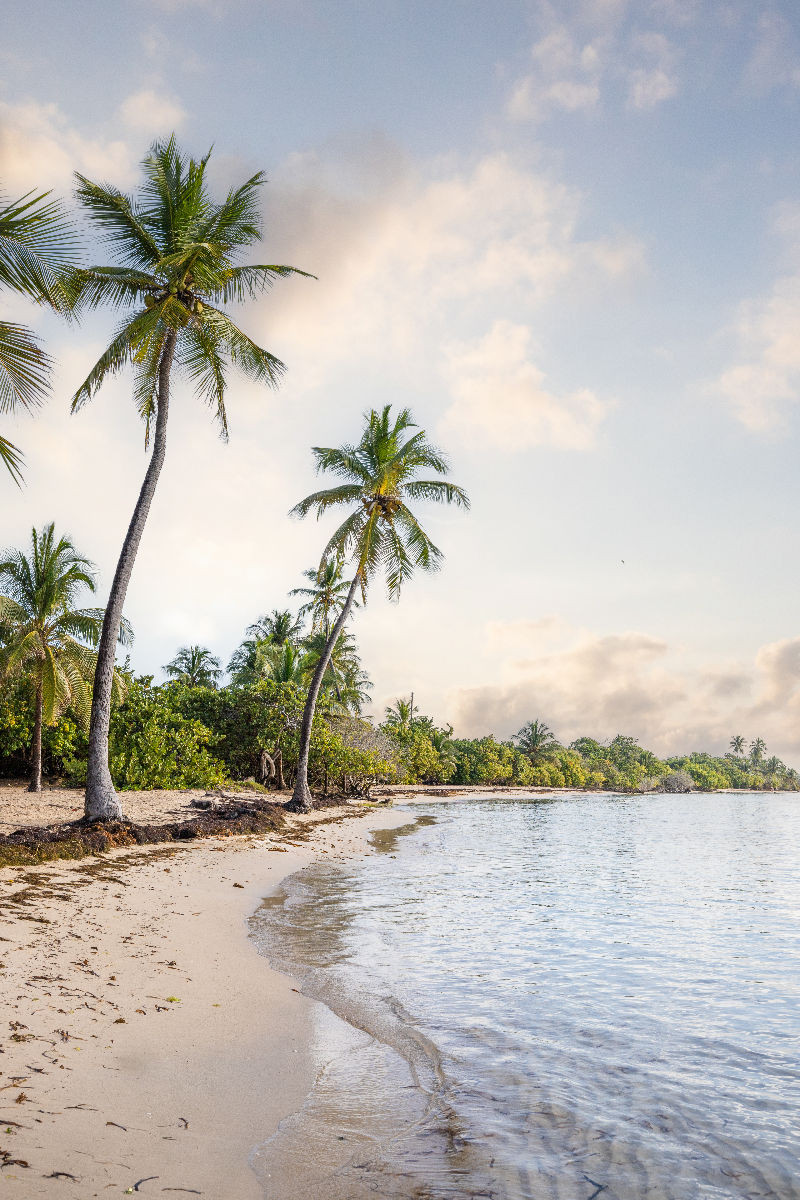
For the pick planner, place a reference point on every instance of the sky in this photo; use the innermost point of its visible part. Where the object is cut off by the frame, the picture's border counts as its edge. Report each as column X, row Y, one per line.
column 566, row 235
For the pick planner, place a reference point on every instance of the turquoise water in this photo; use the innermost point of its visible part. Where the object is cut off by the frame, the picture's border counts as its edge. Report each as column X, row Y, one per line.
column 563, row 998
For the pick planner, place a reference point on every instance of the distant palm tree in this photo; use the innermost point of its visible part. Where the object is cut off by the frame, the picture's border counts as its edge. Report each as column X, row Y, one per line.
column 399, row 716
column 326, row 596
column 345, row 684
column 737, row 744
column 283, row 662
column 37, row 245
column 176, row 253
column 194, row 666
column 536, row 740
column 276, row 627
column 757, row 749
column 381, row 533
column 45, row 638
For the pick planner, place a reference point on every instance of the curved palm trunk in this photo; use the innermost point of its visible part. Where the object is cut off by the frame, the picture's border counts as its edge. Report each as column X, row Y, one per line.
column 301, row 800
column 102, row 802
column 36, row 758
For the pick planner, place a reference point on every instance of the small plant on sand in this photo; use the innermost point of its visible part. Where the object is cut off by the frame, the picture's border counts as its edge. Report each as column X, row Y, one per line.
column 380, row 477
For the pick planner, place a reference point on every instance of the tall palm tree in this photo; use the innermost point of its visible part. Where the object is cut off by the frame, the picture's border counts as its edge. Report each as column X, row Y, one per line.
column 380, row 477
column 283, row 662
column 176, row 254
column 757, row 749
column 325, row 596
column 37, row 246
column 44, row 636
column 195, row 666
column 536, row 740
column 737, row 744
column 399, row 716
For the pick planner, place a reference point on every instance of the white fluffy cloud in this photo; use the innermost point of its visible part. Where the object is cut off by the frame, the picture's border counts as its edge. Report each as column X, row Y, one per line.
column 152, row 112
column 570, row 69
column 40, row 149
column 405, row 259
column 634, row 683
column 499, row 396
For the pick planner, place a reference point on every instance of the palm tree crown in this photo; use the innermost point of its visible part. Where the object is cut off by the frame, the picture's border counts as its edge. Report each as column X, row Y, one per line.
column 177, row 255
column 194, row 666
column 37, row 245
column 535, row 739
column 381, row 477
column 326, row 594
column 44, row 635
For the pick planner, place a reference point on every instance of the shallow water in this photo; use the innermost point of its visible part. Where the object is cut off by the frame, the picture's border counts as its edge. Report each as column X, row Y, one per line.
column 568, row 998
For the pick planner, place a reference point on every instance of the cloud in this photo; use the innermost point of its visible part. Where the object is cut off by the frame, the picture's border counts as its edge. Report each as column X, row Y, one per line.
column 152, row 112
column 566, row 75
column 571, row 70
column 765, row 379
column 405, row 253
column 500, row 397
column 651, row 84
column 637, row 684
column 775, row 60
column 40, row 149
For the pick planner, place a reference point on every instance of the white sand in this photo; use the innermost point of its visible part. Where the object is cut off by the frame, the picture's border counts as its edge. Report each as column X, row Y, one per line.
column 110, row 1080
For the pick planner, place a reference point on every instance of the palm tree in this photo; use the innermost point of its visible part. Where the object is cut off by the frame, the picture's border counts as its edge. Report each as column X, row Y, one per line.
column 176, row 253
column 44, row 636
column 326, row 595
column 757, row 749
column 37, row 245
column 276, row 627
column 400, row 717
column 536, row 740
column 737, row 744
column 380, row 533
column 345, row 684
column 194, row 666
column 282, row 662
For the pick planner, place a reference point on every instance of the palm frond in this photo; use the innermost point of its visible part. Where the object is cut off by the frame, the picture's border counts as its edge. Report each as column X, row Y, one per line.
column 254, row 362
column 119, row 222
column 12, row 457
column 250, row 282
column 323, row 500
column 439, row 491
column 25, row 368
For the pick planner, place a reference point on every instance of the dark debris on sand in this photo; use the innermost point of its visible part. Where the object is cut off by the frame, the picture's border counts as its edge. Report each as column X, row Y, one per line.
column 224, row 816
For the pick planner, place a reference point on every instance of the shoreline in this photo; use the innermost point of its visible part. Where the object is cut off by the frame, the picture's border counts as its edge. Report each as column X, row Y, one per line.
column 143, row 1038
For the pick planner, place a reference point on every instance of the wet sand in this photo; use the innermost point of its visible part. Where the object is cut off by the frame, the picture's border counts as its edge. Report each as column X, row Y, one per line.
column 144, row 1041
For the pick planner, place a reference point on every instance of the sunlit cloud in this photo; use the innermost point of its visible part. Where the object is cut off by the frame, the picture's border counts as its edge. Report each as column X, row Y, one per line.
column 152, row 112
column 500, row 398
column 634, row 683
column 39, row 148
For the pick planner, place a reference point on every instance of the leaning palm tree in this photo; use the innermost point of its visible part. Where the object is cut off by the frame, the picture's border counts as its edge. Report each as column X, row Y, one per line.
column 176, row 254
column 37, row 246
column 380, row 477
column 536, row 740
column 194, row 666
column 325, row 596
column 45, row 638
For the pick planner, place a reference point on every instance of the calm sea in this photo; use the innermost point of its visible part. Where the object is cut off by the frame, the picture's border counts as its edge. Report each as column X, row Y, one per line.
column 567, row 998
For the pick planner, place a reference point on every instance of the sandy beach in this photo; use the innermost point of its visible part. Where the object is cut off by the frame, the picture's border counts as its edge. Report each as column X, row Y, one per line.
column 146, row 1046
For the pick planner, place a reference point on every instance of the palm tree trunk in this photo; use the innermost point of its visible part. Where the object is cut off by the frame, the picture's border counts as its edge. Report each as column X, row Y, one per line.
column 301, row 800
column 36, row 759
column 102, row 802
